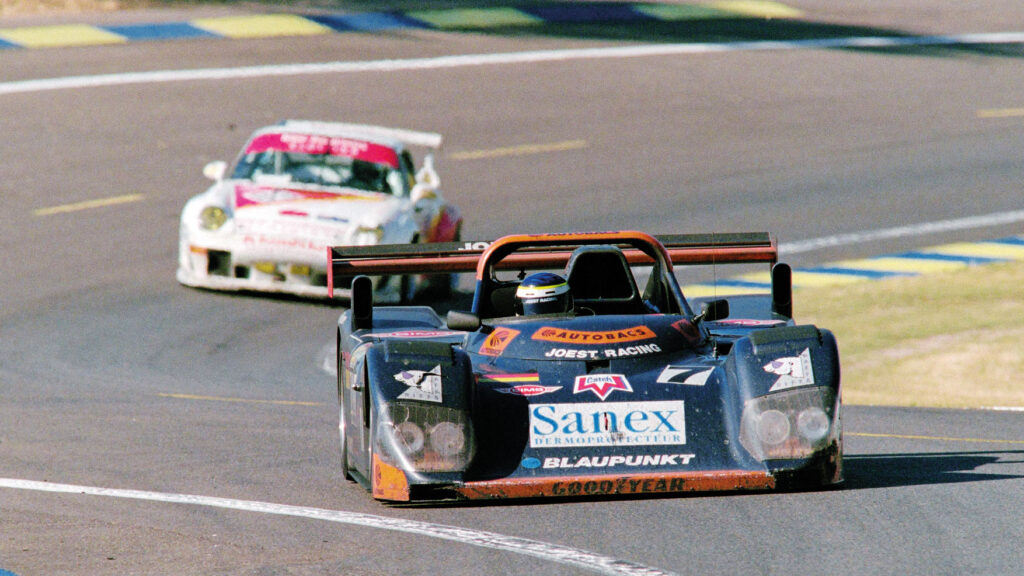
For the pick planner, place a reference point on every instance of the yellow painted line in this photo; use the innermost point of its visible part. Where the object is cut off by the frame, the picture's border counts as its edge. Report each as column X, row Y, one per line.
column 261, row 26
column 476, row 18
column 1001, row 113
column 237, row 400
column 88, row 205
column 803, row 279
column 980, row 250
column 764, row 277
column 523, row 150
column 934, row 438
column 61, row 35
column 756, row 9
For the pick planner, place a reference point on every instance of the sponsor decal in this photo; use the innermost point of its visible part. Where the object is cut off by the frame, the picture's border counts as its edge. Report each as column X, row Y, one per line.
column 608, row 424
column 507, row 378
column 317, row 144
column 793, row 371
column 614, row 461
column 528, row 463
column 279, row 243
column 601, row 384
column 573, row 354
column 475, row 246
column 412, row 334
column 282, row 227
column 246, row 196
column 497, row 341
column 425, row 386
column 633, row 334
column 525, row 384
column 528, row 390
column 619, row 486
column 336, row 219
column 621, row 352
column 638, row 350
column 688, row 375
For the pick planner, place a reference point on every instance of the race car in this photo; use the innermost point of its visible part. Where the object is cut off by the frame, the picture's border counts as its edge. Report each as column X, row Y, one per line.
column 569, row 378
column 300, row 186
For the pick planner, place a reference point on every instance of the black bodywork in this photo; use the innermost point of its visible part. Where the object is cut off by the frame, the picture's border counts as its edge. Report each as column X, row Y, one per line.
column 632, row 392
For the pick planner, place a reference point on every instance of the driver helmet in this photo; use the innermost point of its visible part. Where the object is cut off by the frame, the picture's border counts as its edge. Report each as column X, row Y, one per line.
column 543, row 293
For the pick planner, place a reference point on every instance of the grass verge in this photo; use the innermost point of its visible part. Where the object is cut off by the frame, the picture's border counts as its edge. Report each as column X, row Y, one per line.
column 945, row 340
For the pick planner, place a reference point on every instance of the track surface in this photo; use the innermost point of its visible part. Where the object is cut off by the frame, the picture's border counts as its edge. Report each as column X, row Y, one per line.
column 113, row 376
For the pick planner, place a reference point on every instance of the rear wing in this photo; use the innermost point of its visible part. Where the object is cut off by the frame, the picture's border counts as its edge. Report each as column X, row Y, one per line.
column 408, row 137
column 551, row 251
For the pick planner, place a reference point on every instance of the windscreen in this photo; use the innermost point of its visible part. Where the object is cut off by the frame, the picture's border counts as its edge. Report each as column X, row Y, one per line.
column 322, row 160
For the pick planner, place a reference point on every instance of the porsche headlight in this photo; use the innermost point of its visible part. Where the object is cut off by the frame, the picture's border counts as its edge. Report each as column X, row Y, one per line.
column 212, row 218
column 789, row 425
column 425, row 438
column 367, row 235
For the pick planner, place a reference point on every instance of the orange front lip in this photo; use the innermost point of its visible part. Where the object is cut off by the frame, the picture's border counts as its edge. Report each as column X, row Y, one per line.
column 568, row 486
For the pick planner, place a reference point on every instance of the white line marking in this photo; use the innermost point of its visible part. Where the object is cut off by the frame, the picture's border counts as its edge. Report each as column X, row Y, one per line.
column 551, row 552
column 996, row 219
column 459, row 61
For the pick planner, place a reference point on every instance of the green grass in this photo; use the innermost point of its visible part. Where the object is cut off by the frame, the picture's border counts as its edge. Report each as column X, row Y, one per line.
column 943, row 340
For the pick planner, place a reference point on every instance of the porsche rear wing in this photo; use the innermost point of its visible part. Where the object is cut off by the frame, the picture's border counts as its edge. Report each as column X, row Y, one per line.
column 449, row 257
column 408, row 137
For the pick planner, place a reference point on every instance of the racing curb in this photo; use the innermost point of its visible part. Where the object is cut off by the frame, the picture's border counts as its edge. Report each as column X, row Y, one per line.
column 469, row 19
column 943, row 258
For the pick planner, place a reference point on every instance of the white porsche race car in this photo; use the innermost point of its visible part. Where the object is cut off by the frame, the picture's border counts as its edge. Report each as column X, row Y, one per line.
column 301, row 186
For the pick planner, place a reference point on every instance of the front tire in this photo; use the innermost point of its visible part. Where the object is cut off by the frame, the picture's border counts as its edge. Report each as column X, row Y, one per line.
column 345, row 470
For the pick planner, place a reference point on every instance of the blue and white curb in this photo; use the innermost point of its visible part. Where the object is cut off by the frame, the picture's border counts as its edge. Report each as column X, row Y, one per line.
column 943, row 258
column 271, row 25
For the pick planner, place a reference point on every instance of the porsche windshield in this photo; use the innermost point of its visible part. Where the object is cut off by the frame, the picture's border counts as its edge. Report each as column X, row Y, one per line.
column 322, row 169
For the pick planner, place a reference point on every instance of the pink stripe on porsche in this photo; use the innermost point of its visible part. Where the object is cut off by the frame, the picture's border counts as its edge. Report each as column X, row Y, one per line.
column 315, row 144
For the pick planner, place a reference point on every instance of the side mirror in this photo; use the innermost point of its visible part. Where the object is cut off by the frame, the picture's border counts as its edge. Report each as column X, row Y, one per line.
column 714, row 310
column 427, row 181
column 422, row 191
column 464, row 321
column 215, row 170
column 427, row 175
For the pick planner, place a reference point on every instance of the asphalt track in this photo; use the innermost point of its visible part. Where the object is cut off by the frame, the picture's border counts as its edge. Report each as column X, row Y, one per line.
column 150, row 429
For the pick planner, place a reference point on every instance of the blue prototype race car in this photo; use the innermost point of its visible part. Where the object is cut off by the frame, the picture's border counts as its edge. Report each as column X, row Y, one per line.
column 575, row 381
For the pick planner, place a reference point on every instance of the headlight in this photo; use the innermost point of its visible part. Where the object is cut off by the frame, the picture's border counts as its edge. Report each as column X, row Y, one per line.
column 409, row 437
column 448, row 439
column 212, row 218
column 424, row 438
column 789, row 425
column 367, row 236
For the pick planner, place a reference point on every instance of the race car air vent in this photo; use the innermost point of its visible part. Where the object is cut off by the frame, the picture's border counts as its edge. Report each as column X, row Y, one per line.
column 418, row 349
column 764, row 341
column 219, row 263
